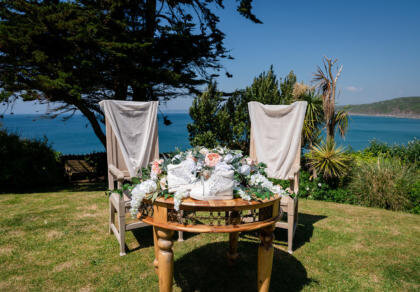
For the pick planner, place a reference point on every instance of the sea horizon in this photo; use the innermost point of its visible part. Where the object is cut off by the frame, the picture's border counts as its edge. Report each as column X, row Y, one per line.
column 75, row 136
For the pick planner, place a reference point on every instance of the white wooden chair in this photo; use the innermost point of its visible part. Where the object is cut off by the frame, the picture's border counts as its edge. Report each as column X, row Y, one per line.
column 118, row 173
column 288, row 204
column 118, row 205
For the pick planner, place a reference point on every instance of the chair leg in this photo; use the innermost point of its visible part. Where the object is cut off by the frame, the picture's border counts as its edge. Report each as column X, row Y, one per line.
column 121, row 224
column 290, row 238
column 111, row 216
column 290, row 225
column 180, row 235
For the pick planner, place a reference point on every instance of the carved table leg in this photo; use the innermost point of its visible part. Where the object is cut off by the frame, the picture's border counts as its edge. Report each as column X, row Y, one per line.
column 156, row 246
column 165, row 259
column 233, row 247
column 265, row 258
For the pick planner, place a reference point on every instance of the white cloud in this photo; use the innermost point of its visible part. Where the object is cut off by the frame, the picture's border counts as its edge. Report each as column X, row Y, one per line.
column 353, row 88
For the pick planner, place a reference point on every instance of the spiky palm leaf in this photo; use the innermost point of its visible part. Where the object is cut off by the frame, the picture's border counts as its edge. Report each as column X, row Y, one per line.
column 341, row 120
column 313, row 117
column 329, row 160
column 326, row 82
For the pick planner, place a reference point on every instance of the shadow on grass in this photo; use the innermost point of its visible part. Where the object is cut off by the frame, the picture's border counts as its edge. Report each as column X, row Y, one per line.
column 67, row 187
column 206, row 269
column 304, row 231
column 144, row 237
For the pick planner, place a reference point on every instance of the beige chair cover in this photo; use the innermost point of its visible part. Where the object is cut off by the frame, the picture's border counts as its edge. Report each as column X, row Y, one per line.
column 134, row 126
column 275, row 137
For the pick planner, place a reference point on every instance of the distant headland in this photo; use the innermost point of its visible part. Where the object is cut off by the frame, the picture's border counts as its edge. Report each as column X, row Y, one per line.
column 402, row 107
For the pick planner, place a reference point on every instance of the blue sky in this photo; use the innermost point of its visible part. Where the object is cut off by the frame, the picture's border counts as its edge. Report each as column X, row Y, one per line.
column 377, row 42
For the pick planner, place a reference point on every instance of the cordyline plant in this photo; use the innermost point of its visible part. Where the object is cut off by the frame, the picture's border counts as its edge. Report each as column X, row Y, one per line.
column 326, row 81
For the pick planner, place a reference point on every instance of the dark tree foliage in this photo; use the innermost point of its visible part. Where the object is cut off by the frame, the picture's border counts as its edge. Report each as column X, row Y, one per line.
column 219, row 120
column 77, row 53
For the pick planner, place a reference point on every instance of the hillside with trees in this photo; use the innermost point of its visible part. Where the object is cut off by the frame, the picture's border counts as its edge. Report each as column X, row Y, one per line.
column 402, row 107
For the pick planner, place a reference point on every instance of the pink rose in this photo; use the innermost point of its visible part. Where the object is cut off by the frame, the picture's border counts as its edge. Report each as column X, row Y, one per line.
column 212, row 159
column 249, row 161
column 156, row 167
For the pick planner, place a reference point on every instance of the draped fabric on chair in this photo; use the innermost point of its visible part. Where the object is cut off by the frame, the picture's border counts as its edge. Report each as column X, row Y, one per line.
column 131, row 143
column 275, row 137
column 276, row 141
column 134, row 125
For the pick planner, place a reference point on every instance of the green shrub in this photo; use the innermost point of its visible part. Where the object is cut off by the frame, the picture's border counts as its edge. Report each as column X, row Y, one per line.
column 319, row 189
column 27, row 164
column 329, row 160
column 409, row 153
column 386, row 183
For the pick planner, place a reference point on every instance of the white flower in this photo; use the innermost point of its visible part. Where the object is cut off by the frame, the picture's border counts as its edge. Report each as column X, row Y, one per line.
column 139, row 192
column 257, row 179
column 307, row 188
column 178, row 196
column 204, row 151
column 221, row 150
column 276, row 189
column 153, row 176
column 243, row 194
column 245, row 169
column 319, row 184
column 176, row 157
column 163, row 183
column 228, row 158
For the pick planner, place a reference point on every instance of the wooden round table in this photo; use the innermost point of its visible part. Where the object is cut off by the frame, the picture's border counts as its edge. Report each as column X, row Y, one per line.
column 214, row 216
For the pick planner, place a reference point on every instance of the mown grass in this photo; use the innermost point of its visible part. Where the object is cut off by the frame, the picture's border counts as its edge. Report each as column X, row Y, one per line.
column 60, row 241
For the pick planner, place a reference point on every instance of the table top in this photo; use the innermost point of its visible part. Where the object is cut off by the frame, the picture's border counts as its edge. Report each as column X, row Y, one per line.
column 213, row 216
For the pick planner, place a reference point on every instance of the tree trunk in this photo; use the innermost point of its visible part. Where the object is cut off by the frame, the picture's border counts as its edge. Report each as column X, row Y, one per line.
column 94, row 123
column 330, row 130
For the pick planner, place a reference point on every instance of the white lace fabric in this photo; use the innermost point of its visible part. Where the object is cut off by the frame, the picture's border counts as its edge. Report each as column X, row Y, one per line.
column 182, row 178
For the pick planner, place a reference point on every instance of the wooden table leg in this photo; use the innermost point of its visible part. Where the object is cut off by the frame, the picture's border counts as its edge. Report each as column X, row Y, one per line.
column 265, row 258
column 233, row 247
column 156, row 246
column 165, row 259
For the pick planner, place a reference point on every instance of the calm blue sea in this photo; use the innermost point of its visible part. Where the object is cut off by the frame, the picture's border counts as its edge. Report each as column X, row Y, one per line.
column 75, row 136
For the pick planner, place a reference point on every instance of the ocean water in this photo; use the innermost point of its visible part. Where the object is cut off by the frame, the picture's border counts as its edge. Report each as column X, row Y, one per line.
column 76, row 136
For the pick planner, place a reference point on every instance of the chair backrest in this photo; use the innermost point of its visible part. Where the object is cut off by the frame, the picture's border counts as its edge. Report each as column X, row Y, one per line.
column 275, row 137
column 113, row 151
column 136, row 142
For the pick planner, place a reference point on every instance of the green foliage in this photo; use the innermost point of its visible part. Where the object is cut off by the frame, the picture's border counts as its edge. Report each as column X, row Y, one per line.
column 320, row 189
column 329, row 160
column 225, row 121
column 286, row 87
column 77, row 53
column 409, row 153
column 205, row 112
column 313, row 119
column 386, row 183
column 27, row 164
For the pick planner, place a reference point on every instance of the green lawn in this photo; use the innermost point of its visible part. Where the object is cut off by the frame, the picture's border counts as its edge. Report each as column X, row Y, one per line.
column 60, row 241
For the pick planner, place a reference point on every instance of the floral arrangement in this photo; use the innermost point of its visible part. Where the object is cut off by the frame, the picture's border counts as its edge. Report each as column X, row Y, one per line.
column 249, row 179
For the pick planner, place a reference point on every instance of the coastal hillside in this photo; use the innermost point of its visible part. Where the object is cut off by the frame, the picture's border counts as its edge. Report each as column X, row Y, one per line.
column 403, row 107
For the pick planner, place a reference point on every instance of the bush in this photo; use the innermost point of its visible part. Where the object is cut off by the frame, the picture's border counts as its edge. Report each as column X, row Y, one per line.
column 27, row 164
column 409, row 153
column 222, row 120
column 386, row 183
column 319, row 189
column 330, row 161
